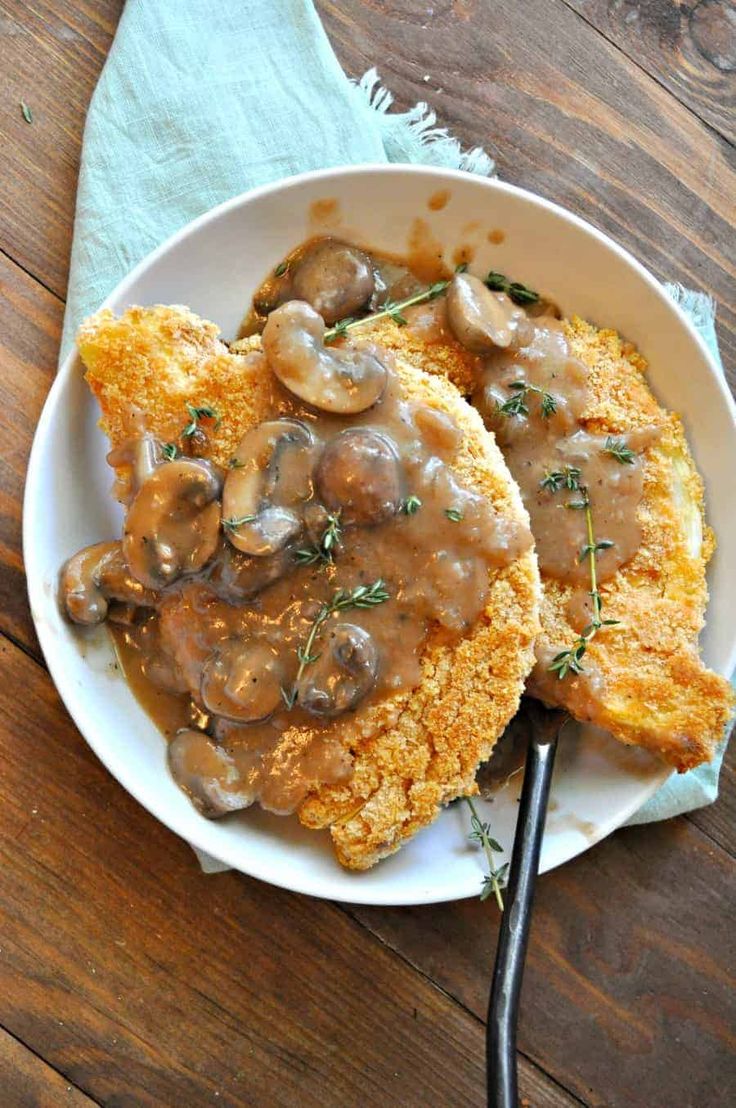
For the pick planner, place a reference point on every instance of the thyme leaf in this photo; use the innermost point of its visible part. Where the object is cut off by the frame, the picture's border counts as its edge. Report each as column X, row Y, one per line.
column 619, row 450
column 324, row 550
column 170, row 451
column 234, row 522
column 281, row 269
column 204, row 411
column 520, row 294
column 517, row 405
column 455, row 515
column 411, row 505
column 26, row 112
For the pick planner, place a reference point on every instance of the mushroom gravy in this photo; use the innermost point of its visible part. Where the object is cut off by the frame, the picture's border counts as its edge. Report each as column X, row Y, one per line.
column 212, row 623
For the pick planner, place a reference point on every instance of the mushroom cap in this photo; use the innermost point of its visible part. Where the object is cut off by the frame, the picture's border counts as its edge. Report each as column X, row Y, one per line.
column 359, row 475
column 342, row 675
column 249, row 487
column 335, row 277
column 481, row 319
column 208, row 774
column 173, row 524
column 344, row 381
column 242, row 679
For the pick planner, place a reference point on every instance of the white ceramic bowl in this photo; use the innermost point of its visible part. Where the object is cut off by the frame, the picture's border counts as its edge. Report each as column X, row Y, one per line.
column 213, row 265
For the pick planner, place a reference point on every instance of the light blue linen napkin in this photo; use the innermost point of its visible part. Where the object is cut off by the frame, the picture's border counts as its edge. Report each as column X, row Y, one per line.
column 200, row 100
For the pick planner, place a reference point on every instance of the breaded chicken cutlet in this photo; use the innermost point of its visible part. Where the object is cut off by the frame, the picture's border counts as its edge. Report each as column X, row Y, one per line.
column 652, row 688
column 413, row 751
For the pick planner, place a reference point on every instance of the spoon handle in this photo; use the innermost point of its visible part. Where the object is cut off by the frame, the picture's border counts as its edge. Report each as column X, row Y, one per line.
column 503, row 1006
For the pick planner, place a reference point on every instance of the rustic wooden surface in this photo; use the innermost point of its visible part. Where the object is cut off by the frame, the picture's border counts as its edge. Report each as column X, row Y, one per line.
column 128, row 978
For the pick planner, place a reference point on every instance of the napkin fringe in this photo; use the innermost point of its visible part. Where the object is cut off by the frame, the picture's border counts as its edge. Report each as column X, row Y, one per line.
column 413, row 135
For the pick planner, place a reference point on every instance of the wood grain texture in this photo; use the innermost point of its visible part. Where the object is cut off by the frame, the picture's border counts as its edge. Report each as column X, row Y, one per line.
column 567, row 115
column 628, row 995
column 689, row 47
column 27, row 1082
column 145, row 983
column 51, row 53
column 30, row 327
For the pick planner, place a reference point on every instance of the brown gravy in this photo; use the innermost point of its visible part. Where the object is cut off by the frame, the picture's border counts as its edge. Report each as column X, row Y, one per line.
column 536, row 445
column 433, row 562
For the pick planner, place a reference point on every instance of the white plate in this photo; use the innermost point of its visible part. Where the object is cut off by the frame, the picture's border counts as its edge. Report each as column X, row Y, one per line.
column 213, row 265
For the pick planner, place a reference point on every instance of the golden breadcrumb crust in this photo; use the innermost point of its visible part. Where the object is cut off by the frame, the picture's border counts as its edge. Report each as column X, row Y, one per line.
column 655, row 691
column 413, row 752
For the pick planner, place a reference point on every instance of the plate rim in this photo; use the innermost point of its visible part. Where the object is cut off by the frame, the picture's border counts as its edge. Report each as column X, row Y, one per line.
column 36, row 593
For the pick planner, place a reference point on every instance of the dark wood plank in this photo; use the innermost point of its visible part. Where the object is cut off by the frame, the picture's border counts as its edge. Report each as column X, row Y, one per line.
column 30, row 326
column 689, row 48
column 719, row 820
column 51, row 53
column 146, row 983
column 629, row 991
column 567, row 115
column 27, row 1082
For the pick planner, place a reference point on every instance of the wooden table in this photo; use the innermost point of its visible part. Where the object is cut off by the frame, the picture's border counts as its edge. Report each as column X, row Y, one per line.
column 128, row 978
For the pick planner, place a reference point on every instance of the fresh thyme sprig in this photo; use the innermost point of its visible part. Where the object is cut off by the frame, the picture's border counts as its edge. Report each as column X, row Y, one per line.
column 205, row 411
column 363, row 596
column 571, row 660
column 324, row 550
column 618, row 449
column 520, row 294
column 516, row 405
column 391, row 310
column 495, row 879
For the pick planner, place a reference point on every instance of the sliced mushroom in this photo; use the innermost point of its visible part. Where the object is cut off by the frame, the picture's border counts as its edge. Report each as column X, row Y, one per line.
column 253, row 523
column 208, row 774
column 335, row 278
column 359, row 475
column 344, row 673
column 173, row 524
column 96, row 575
column 481, row 319
column 344, row 381
column 133, row 461
column 236, row 576
column 242, row 681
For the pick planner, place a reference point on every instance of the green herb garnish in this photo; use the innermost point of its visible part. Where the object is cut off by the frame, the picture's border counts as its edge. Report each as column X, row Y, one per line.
column 495, row 879
column 324, row 550
column 203, row 412
column 391, row 310
column 411, row 505
column 26, row 112
column 619, row 450
column 517, row 404
column 170, row 451
column 571, row 660
column 520, row 294
column 234, row 522
column 455, row 515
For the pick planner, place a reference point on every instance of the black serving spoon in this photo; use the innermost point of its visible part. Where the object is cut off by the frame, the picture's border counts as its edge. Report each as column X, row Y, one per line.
column 544, row 727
